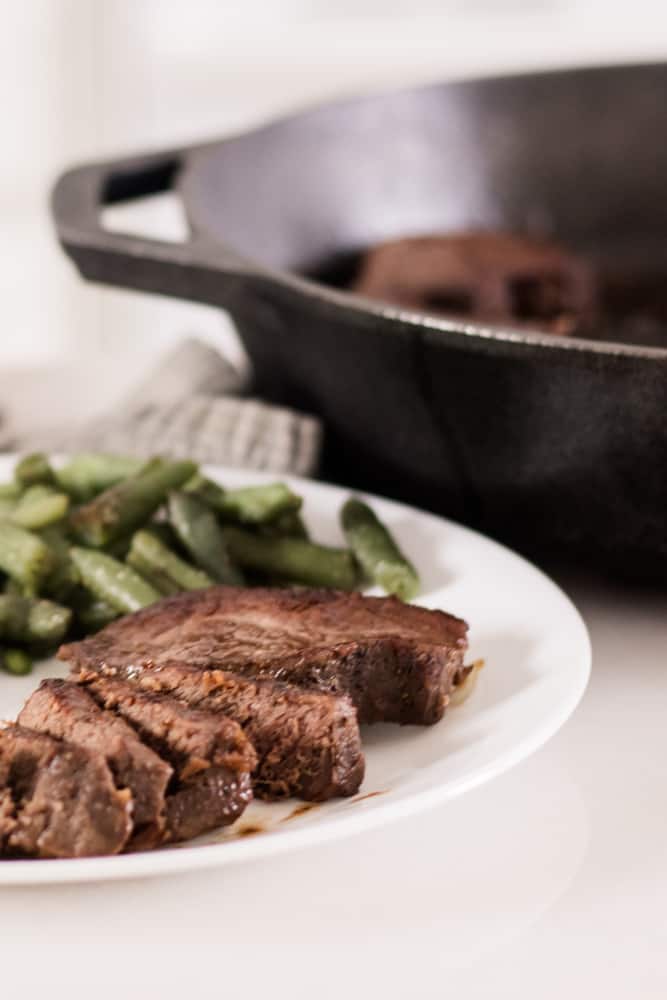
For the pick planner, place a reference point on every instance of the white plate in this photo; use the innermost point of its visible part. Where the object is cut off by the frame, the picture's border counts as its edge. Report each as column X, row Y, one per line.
column 537, row 657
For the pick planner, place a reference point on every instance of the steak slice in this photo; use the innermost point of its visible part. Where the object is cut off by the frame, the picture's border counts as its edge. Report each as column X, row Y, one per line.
column 67, row 711
column 64, row 803
column 7, row 818
column 212, row 759
column 308, row 743
column 397, row 662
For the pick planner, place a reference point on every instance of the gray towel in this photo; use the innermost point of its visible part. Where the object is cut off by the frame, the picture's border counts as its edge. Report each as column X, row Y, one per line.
column 191, row 406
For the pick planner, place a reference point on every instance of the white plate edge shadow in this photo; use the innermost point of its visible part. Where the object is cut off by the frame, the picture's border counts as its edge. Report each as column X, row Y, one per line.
column 366, row 815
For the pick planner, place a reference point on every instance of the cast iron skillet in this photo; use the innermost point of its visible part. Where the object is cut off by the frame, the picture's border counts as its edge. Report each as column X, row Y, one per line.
column 542, row 441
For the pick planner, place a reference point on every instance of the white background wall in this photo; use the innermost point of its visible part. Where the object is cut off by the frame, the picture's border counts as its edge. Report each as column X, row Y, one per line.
column 84, row 78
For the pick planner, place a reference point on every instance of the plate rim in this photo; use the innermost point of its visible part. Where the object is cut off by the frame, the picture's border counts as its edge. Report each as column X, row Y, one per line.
column 184, row 858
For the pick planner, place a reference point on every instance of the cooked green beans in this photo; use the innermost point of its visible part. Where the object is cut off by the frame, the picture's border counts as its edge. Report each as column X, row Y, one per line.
column 197, row 528
column 31, row 621
column 257, row 504
column 112, row 581
column 129, row 504
column 64, row 576
column 164, row 532
column 105, row 535
column 16, row 661
column 39, row 507
column 13, row 616
column 33, row 469
column 25, row 557
column 160, row 581
column 7, row 506
column 88, row 474
column 205, row 489
column 157, row 563
column 376, row 551
column 47, row 622
column 290, row 525
column 91, row 613
column 294, row 559
column 247, row 504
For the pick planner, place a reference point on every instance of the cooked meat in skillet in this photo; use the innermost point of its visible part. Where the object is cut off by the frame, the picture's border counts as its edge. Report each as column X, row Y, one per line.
column 395, row 661
column 211, row 757
column 67, row 711
column 7, row 817
column 307, row 742
column 63, row 799
column 485, row 276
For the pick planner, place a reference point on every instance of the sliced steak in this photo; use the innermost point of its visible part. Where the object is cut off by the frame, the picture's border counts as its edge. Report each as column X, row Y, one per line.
column 496, row 277
column 307, row 742
column 397, row 662
column 211, row 757
column 7, row 818
column 67, row 711
column 64, row 803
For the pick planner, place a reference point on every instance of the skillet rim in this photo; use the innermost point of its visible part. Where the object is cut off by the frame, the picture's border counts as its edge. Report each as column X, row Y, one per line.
column 362, row 306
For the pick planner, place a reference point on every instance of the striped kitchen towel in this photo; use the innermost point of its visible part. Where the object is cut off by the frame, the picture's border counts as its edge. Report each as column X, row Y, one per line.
column 194, row 405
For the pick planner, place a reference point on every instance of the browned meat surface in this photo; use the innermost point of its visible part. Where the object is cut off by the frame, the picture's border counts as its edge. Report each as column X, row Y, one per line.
column 67, row 711
column 308, row 743
column 63, row 799
column 7, row 818
column 395, row 661
column 486, row 276
column 211, row 757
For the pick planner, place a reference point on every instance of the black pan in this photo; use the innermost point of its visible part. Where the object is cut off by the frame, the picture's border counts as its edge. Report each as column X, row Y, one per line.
column 543, row 441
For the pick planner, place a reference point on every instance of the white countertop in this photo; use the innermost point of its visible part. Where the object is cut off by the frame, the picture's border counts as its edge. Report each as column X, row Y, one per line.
column 546, row 883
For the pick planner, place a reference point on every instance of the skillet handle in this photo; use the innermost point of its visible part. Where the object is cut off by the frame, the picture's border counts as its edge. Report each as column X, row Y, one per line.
column 196, row 269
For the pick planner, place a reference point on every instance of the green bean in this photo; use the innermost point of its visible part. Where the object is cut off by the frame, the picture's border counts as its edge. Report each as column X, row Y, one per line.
column 64, row 576
column 127, row 505
column 47, row 622
column 208, row 491
column 26, row 620
column 91, row 613
column 25, row 557
column 16, row 661
column 90, row 473
column 7, row 507
column 119, row 547
column 289, row 525
column 247, row 504
column 157, row 579
column 13, row 616
column 164, row 532
column 40, row 506
column 257, row 504
column 157, row 562
column 376, row 551
column 112, row 581
column 153, row 463
column 197, row 527
column 293, row 558
column 34, row 468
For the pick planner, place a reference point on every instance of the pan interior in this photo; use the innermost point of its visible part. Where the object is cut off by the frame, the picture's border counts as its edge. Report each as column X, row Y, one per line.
column 580, row 156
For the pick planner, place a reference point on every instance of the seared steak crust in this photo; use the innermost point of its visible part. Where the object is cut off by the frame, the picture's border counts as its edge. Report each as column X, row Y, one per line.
column 307, row 742
column 7, row 818
column 397, row 662
column 67, row 711
column 211, row 757
column 58, row 800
